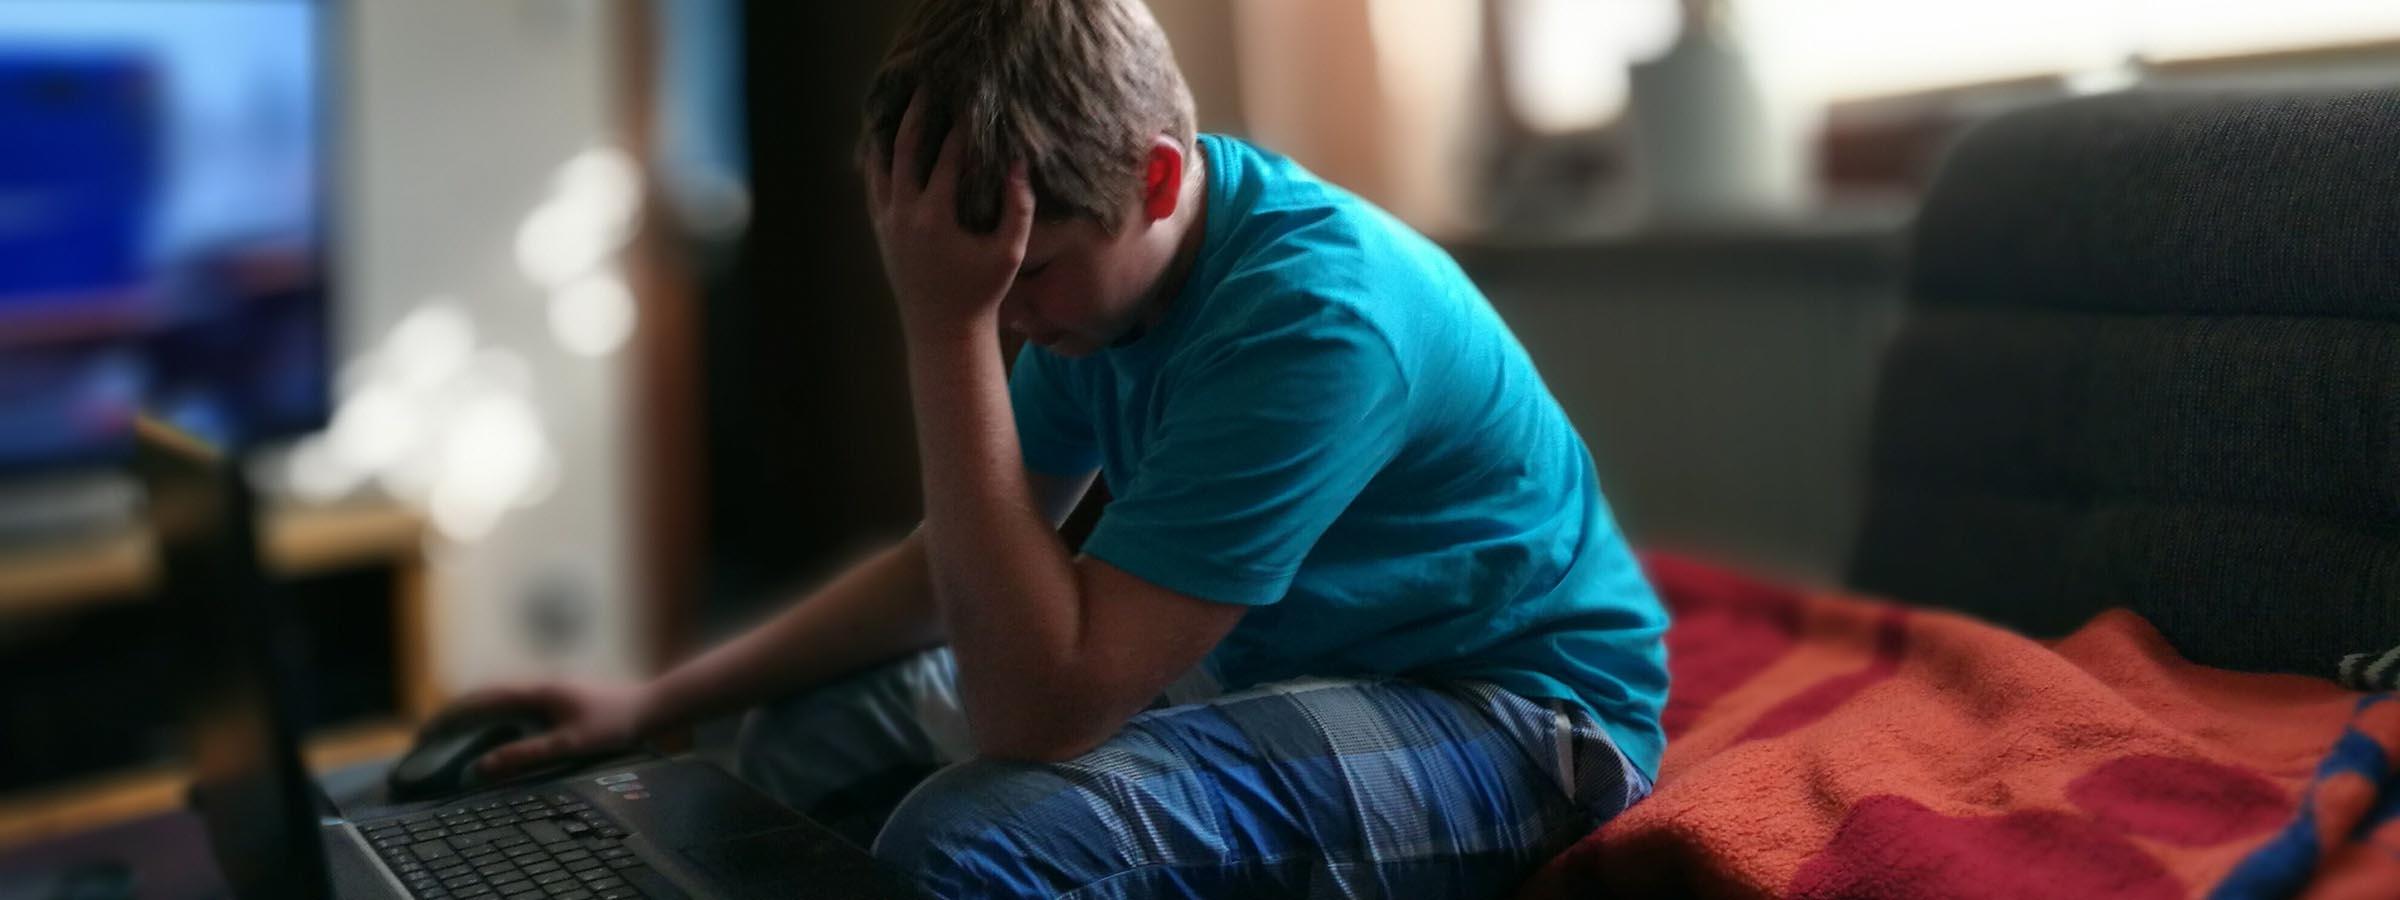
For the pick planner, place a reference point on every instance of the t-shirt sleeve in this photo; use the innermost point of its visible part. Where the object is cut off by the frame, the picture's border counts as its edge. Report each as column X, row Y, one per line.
column 1260, row 446
column 1054, row 430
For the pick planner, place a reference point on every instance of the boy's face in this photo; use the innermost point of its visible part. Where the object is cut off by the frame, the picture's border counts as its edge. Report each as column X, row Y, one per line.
column 1080, row 288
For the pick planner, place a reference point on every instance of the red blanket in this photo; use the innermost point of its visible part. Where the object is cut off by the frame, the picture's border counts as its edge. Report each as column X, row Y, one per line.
column 1826, row 746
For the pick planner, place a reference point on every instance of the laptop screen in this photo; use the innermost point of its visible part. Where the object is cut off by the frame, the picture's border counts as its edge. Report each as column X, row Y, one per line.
column 247, row 780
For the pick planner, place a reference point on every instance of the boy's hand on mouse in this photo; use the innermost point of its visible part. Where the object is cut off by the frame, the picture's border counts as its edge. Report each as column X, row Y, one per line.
column 586, row 718
column 945, row 278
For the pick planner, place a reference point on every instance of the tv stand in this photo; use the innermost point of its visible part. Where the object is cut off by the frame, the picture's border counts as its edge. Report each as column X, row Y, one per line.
column 109, row 574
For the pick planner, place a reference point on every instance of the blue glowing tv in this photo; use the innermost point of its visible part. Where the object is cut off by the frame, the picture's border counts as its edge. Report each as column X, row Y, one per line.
column 163, row 223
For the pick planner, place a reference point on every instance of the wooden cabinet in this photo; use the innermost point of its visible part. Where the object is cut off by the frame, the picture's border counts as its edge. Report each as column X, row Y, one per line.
column 358, row 571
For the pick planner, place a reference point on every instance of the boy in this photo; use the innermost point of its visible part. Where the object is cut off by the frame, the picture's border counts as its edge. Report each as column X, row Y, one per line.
column 1341, row 491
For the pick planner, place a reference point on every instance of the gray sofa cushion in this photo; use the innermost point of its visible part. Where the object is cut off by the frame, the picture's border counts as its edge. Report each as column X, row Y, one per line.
column 2153, row 360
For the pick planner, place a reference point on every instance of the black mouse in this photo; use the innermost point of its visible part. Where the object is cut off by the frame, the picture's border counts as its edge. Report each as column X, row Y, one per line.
column 443, row 761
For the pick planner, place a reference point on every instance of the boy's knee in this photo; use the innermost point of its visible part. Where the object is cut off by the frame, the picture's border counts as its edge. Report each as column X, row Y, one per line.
column 947, row 814
column 965, row 832
column 799, row 746
column 753, row 756
column 774, row 734
column 768, row 751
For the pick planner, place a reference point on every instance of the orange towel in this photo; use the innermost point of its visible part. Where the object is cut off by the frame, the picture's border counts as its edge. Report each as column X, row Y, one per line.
column 1827, row 746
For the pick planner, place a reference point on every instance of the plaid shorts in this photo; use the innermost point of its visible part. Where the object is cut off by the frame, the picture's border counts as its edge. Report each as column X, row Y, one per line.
column 1307, row 788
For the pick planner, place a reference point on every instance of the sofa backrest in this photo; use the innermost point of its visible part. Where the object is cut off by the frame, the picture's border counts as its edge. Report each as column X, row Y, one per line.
column 2152, row 360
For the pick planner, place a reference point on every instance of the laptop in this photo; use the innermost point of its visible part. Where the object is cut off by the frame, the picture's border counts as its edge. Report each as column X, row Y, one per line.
column 637, row 828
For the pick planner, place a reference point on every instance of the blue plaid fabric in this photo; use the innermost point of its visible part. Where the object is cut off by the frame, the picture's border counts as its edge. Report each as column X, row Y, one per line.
column 1308, row 788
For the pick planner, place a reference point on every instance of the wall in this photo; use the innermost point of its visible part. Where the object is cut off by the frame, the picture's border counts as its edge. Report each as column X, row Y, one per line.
column 463, row 111
column 1207, row 50
column 1724, row 382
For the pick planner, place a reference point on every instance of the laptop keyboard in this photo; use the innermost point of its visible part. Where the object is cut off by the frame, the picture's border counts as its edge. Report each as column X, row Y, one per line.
column 527, row 847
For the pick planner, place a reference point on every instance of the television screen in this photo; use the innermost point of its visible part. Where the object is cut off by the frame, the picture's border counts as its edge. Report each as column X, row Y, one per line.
column 162, row 223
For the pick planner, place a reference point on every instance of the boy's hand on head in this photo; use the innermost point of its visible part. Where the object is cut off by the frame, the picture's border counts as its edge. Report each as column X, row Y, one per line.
column 945, row 278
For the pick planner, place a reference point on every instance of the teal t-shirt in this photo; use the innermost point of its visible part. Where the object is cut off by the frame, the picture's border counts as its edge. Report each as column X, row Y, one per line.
column 1332, row 425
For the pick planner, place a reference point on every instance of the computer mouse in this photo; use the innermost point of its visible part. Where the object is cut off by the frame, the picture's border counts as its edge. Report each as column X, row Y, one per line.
column 442, row 762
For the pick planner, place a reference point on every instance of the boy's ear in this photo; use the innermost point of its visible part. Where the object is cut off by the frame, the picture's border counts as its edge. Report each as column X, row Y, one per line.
column 1162, row 178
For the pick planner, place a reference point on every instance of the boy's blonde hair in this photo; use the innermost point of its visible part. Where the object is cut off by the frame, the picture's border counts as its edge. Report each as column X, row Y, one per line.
column 1075, row 88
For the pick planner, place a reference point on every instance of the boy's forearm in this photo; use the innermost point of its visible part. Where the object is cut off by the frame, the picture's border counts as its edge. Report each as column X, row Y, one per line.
column 1003, row 584
column 879, row 609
